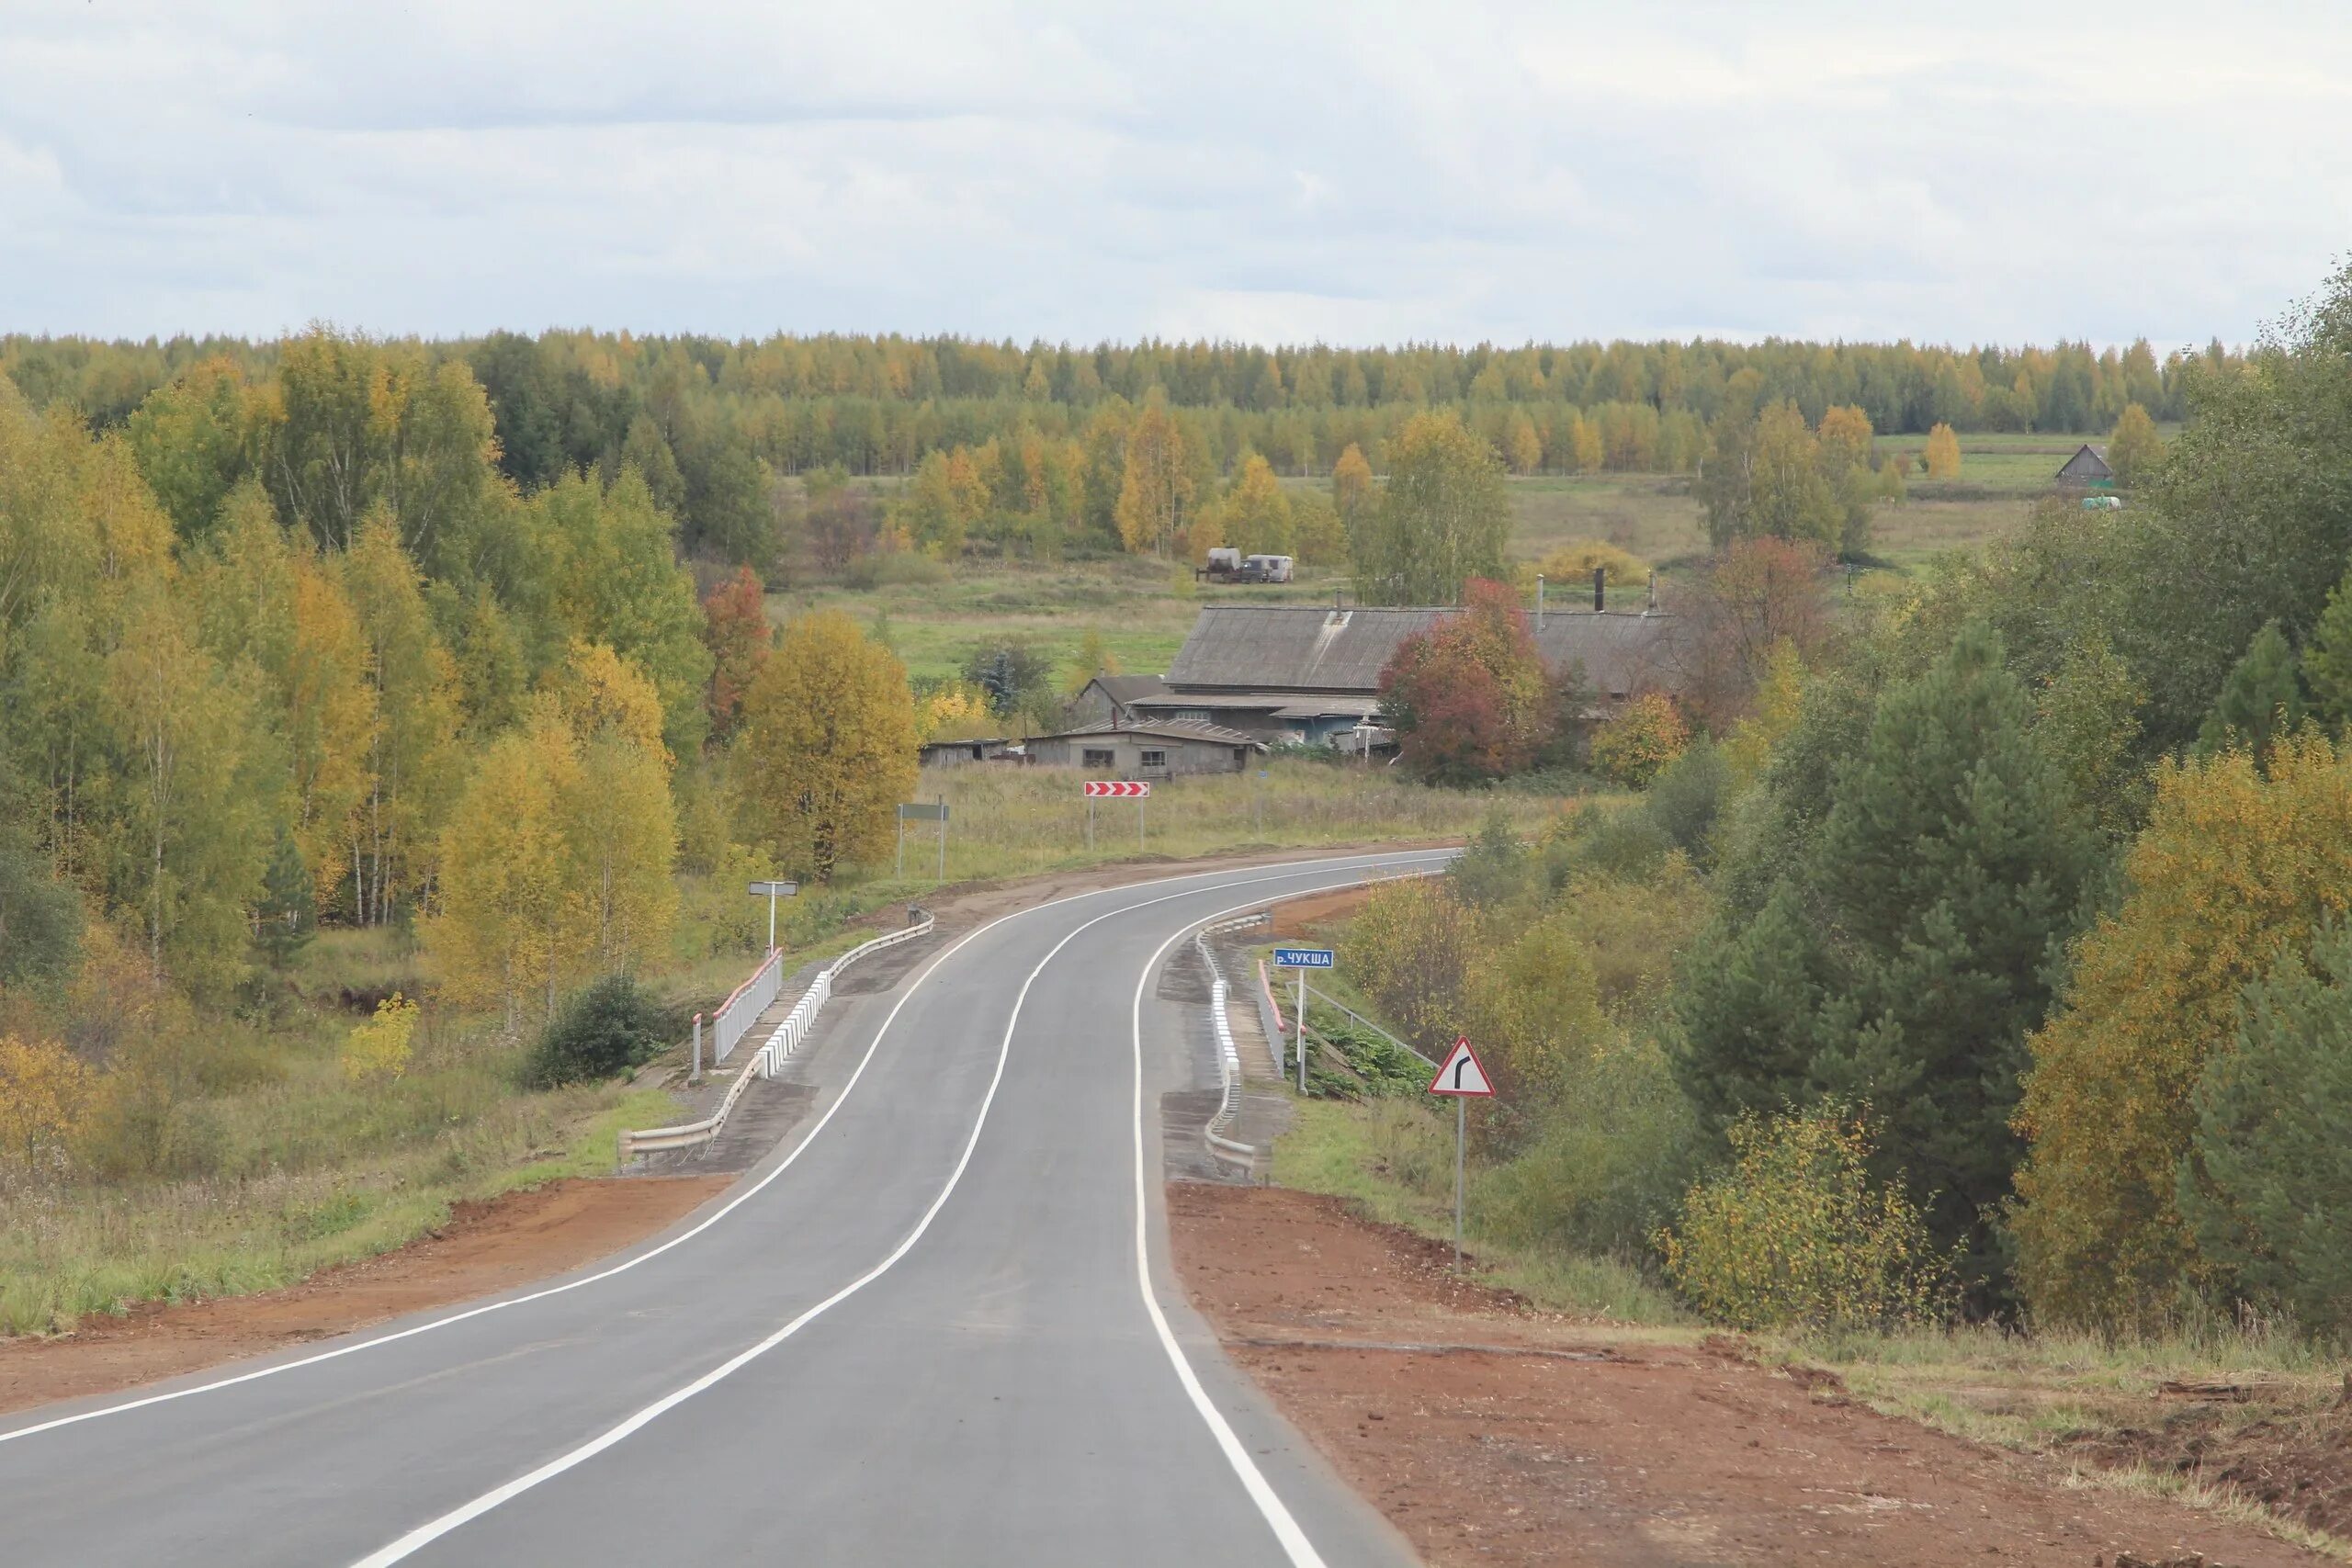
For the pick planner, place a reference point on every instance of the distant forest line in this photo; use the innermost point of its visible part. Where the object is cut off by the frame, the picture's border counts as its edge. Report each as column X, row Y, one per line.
column 568, row 401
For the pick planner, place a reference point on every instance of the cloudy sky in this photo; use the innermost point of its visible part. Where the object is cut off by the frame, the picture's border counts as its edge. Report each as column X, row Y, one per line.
column 1355, row 172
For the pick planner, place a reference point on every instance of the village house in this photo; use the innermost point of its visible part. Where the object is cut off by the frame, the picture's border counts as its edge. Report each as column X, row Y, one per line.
column 1311, row 673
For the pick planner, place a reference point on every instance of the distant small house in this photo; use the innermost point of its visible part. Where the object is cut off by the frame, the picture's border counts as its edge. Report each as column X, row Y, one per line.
column 1107, row 697
column 962, row 753
column 1151, row 751
column 2086, row 469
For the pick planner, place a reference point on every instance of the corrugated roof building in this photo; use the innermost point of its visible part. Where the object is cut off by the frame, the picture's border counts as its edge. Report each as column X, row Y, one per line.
column 1311, row 671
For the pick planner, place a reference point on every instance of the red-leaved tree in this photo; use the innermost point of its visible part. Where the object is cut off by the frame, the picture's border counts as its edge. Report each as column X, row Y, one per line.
column 1756, row 595
column 736, row 630
column 1468, row 697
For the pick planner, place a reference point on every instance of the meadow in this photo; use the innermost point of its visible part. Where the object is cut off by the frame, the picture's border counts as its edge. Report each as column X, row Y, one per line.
column 935, row 617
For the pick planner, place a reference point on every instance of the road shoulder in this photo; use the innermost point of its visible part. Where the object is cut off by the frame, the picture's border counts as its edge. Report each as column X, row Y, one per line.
column 1492, row 1433
column 483, row 1249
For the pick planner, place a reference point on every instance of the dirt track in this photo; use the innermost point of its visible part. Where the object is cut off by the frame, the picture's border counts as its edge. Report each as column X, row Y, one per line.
column 485, row 1248
column 1492, row 1434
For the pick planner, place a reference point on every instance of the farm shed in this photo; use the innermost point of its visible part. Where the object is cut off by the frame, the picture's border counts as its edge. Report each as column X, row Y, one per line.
column 961, row 753
column 1149, row 751
column 2086, row 469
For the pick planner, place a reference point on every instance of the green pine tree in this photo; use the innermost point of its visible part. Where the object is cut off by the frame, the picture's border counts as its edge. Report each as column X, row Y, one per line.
column 2266, row 1184
column 1904, row 956
column 1955, row 861
column 2327, row 660
column 2261, row 699
column 286, row 919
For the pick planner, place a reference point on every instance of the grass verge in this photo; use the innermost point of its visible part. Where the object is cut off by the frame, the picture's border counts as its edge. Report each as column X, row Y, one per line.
column 1392, row 1160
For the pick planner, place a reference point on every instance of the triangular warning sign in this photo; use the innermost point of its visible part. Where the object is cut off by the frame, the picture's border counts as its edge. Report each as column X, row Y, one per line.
column 1462, row 1072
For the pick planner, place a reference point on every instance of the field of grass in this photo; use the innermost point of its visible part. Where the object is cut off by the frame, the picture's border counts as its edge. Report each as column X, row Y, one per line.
column 279, row 1164
column 1006, row 821
column 936, row 616
column 1142, row 609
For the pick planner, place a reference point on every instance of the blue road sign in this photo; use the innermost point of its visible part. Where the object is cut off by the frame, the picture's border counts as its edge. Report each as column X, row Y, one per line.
column 1303, row 957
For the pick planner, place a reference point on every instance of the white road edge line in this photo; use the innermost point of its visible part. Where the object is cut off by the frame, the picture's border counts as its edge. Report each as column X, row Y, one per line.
column 731, row 1206
column 1278, row 1516
column 426, row 1533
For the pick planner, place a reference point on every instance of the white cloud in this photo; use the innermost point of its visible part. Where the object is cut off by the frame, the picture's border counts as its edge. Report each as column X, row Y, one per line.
column 1263, row 170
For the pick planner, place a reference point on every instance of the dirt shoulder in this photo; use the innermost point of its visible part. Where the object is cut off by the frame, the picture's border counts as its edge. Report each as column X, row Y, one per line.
column 485, row 1248
column 1494, row 1434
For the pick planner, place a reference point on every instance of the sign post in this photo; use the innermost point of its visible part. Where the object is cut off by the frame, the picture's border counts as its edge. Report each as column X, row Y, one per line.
column 919, row 811
column 1462, row 1079
column 774, row 891
column 1117, row 789
column 1302, row 959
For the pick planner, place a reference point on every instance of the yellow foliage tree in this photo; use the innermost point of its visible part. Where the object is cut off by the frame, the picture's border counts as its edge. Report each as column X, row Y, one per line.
column 502, row 932
column 1640, row 739
column 958, row 711
column 330, row 718
column 1943, row 456
column 1585, row 445
column 1533, row 1007
column 1772, row 714
column 1522, row 448
column 380, row 1048
column 43, row 1093
column 601, row 693
column 2236, row 868
column 2134, row 450
column 828, row 746
column 1574, row 562
column 1351, row 492
column 620, row 835
column 1797, row 1232
column 1256, row 514
column 1156, row 489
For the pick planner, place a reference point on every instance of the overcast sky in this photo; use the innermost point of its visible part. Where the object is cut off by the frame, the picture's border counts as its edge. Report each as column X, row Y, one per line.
column 1356, row 173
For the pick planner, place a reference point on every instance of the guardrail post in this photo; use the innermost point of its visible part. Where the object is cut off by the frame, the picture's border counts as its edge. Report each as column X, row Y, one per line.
column 696, row 1077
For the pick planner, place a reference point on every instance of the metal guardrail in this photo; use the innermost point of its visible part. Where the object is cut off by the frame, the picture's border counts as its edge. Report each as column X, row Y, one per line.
column 743, row 1006
column 1334, row 1003
column 781, row 1042
column 1229, row 1055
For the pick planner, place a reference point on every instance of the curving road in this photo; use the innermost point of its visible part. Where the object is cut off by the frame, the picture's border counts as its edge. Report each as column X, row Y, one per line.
column 936, row 1328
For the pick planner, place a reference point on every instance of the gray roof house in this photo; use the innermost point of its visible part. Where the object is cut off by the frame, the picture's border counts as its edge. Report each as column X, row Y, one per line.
column 1152, row 750
column 1115, row 696
column 2088, row 466
column 1312, row 671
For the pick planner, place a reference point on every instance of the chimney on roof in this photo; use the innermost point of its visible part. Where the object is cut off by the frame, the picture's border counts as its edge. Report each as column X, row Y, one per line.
column 1600, row 588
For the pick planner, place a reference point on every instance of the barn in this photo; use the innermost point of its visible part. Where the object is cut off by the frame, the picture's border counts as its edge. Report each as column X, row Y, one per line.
column 2086, row 469
column 1148, row 750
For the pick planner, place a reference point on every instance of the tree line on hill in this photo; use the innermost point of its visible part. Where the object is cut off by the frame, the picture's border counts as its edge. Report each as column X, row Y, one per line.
column 698, row 416
column 1983, row 950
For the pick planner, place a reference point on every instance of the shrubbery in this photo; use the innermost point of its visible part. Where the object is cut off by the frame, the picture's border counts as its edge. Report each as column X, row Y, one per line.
column 605, row 1028
column 1640, row 739
column 1796, row 1234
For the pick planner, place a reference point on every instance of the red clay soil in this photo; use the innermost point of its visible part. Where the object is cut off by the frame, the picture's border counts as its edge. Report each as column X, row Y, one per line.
column 1493, row 1434
column 484, row 1248
column 1305, row 919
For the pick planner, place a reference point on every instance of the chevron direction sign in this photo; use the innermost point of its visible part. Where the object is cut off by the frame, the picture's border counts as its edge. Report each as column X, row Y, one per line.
column 1119, row 788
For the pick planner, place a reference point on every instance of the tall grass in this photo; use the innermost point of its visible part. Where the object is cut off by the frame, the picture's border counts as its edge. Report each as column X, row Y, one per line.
column 1008, row 821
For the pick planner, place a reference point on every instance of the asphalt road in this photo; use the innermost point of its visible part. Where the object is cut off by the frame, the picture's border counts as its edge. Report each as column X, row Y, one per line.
column 937, row 1327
